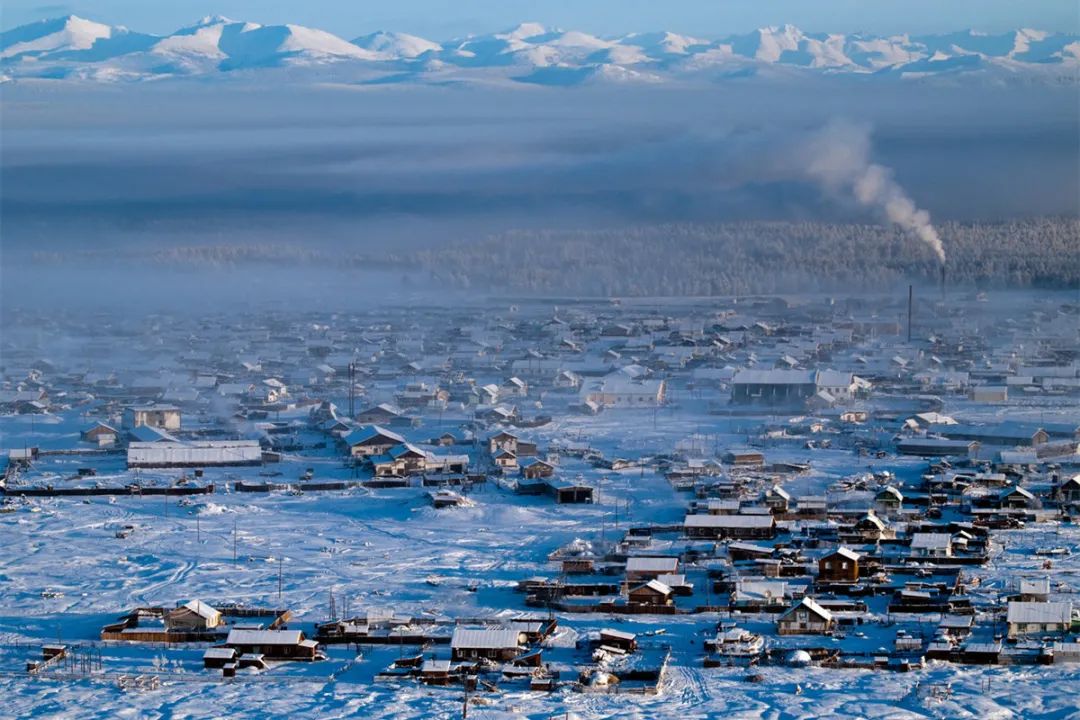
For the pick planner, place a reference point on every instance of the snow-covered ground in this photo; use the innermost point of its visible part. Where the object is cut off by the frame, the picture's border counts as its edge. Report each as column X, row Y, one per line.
column 65, row 574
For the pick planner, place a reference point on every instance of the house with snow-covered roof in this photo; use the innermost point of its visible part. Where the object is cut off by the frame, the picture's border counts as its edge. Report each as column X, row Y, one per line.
column 807, row 617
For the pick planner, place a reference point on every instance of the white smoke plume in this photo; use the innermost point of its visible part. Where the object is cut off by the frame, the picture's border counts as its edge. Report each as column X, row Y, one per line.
column 838, row 157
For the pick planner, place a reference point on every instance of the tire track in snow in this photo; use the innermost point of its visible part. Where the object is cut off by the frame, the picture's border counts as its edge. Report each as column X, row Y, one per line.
column 178, row 575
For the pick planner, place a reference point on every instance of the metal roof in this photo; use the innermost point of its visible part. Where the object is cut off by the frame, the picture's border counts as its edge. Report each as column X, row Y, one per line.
column 485, row 638
column 209, row 452
column 202, row 609
column 729, row 521
column 220, row 653
column 931, row 540
column 1059, row 613
column 618, row 634
column 239, row 636
column 651, row 564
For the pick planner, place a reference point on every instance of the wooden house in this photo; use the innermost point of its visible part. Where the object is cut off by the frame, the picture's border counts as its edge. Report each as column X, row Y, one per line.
column 1017, row 498
column 194, row 615
column 888, row 501
column 536, row 468
column 839, row 566
column 744, row 458
column 371, row 440
column 870, row 529
column 272, row 644
column 382, row 414
column 166, row 417
column 1069, row 491
column 490, row 643
column 931, row 545
column 653, row 592
column 805, row 618
column 505, row 459
column 778, row 500
column 217, row 657
column 567, row 492
column 435, row 672
column 759, row 595
column 622, row 641
column 502, row 441
column 730, row 526
column 1036, row 590
column 650, row 568
column 515, row 386
column 1036, row 618
column 100, row 434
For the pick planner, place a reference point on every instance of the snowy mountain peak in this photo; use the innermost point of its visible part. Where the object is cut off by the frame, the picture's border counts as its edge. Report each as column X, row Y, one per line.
column 664, row 43
column 524, row 31
column 73, row 47
column 70, row 32
column 391, row 45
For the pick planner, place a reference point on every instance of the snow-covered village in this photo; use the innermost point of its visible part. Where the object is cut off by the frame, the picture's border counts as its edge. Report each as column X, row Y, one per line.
column 518, row 360
column 825, row 505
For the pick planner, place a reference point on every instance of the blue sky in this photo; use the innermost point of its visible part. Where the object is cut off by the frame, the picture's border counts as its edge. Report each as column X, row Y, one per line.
column 442, row 19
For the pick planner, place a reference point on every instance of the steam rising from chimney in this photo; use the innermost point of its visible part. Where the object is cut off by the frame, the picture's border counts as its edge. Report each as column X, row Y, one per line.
column 838, row 157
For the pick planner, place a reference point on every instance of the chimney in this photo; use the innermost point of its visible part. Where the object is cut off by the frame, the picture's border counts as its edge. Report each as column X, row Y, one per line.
column 910, row 297
column 943, row 281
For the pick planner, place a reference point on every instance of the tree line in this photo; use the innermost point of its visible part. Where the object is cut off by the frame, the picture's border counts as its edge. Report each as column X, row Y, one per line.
column 757, row 257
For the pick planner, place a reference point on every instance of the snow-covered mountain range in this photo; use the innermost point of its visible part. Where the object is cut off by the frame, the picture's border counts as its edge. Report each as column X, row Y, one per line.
column 74, row 48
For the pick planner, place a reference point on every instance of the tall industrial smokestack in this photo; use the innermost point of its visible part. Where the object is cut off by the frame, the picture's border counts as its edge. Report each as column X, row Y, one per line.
column 943, row 281
column 910, row 303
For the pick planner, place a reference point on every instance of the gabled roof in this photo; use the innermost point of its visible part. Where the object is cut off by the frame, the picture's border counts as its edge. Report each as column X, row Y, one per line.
column 779, row 492
column 931, row 541
column 811, row 605
column 386, row 408
column 201, row 609
column 101, row 425
column 1016, row 490
column 656, row 586
column 219, row 653
column 406, row 449
column 761, row 590
column 146, row 433
column 845, row 552
column 874, row 520
column 371, row 432
column 892, row 492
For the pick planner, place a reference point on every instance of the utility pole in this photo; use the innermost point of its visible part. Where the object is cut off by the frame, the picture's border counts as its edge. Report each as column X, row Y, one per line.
column 279, row 581
column 234, row 541
column 352, row 390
